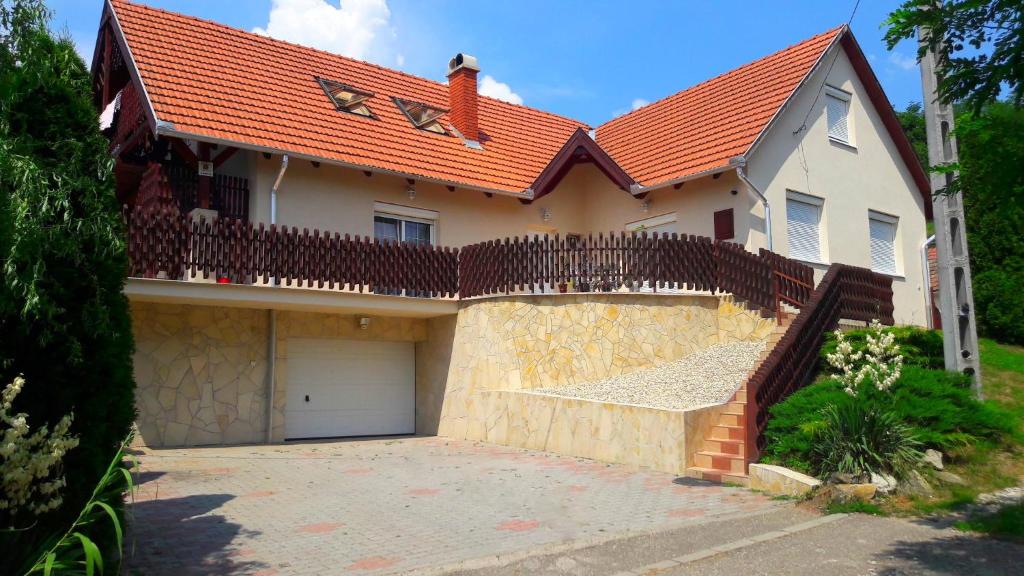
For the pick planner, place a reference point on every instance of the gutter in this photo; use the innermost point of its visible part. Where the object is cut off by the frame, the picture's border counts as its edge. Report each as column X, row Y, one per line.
column 926, row 281
column 752, row 189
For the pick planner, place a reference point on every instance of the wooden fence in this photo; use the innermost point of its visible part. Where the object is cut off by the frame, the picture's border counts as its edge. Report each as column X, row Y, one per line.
column 164, row 242
column 845, row 292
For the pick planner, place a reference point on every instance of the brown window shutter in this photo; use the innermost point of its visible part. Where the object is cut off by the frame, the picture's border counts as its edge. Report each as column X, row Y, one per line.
column 724, row 229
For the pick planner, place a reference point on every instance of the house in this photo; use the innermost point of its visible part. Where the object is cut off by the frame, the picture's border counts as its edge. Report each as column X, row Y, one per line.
column 326, row 247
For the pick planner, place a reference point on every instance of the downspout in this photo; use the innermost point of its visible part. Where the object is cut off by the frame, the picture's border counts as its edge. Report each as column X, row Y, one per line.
column 272, row 316
column 271, row 371
column 273, row 190
column 926, row 282
column 742, row 175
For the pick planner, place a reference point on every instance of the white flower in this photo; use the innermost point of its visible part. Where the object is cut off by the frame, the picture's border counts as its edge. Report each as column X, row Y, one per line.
column 882, row 362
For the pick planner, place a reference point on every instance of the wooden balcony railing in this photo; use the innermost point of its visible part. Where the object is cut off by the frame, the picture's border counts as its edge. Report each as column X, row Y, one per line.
column 845, row 292
column 164, row 243
column 229, row 195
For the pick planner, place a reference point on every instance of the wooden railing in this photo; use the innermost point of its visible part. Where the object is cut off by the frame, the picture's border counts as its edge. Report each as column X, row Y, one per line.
column 229, row 195
column 609, row 262
column 846, row 292
column 129, row 116
column 165, row 242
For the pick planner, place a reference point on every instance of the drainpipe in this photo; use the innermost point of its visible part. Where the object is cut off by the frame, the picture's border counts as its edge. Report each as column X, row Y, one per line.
column 273, row 190
column 742, row 175
column 272, row 315
column 926, row 282
column 271, row 371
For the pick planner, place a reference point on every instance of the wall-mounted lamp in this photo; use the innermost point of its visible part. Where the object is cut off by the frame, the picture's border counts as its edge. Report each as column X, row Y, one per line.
column 364, row 323
column 545, row 214
column 645, row 206
column 411, row 191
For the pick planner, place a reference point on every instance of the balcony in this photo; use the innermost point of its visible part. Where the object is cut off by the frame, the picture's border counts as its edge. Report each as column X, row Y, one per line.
column 165, row 244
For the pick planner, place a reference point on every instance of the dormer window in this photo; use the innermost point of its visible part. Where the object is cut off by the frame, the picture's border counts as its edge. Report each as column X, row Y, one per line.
column 422, row 116
column 346, row 98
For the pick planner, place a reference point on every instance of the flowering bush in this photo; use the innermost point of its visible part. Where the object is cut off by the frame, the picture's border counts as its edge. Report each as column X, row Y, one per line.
column 880, row 363
column 29, row 461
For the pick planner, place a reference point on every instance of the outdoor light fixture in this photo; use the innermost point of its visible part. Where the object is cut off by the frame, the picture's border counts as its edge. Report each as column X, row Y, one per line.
column 645, row 206
column 545, row 214
column 411, row 190
column 364, row 323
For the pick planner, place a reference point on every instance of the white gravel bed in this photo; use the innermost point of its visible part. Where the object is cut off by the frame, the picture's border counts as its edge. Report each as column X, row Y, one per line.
column 706, row 377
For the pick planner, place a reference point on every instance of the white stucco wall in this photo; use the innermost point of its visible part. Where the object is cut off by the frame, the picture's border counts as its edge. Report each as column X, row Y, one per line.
column 851, row 179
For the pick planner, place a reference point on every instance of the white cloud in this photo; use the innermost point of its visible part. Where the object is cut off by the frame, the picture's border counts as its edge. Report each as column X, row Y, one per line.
column 491, row 87
column 355, row 28
column 902, row 62
column 639, row 103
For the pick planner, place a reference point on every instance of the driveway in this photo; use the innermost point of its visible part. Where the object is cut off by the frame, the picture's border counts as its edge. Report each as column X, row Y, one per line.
column 392, row 505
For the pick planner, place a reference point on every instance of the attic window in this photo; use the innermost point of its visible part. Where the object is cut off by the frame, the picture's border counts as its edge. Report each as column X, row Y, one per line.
column 422, row 116
column 347, row 98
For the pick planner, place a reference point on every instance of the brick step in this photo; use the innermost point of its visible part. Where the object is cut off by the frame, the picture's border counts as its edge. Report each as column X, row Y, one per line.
column 728, row 463
column 717, row 476
column 726, row 432
column 736, row 407
column 731, row 419
column 723, row 446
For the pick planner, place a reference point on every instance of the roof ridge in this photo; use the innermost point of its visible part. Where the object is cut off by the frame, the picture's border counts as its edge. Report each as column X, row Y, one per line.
column 832, row 31
column 334, row 54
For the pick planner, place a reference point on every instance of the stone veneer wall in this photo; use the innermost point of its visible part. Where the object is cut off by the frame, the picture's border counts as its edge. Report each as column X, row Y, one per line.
column 523, row 342
column 200, row 374
column 201, row 371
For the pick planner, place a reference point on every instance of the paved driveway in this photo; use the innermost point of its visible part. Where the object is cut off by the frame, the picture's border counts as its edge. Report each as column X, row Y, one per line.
column 392, row 505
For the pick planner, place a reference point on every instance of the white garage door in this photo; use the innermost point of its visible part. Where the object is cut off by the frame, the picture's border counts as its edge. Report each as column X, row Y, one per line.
column 349, row 388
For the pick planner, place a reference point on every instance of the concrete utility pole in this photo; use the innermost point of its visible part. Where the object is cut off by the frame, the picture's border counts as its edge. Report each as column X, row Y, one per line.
column 956, row 295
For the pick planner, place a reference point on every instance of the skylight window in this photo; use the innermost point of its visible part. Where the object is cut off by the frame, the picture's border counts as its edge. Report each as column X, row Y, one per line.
column 346, row 98
column 422, row 116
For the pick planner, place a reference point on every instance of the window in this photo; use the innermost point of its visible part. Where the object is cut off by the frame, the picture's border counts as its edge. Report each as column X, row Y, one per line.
column 882, row 229
column 404, row 223
column 724, row 225
column 837, row 112
column 347, row 98
column 422, row 116
column 803, row 221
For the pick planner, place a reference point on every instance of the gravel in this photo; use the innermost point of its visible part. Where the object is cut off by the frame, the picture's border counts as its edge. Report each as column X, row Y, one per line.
column 706, row 377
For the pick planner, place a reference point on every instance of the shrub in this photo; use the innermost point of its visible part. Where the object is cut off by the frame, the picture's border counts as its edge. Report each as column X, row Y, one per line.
column 942, row 410
column 917, row 346
column 790, row 432
column 856, row 437
column 30, row 461
column 64, row 318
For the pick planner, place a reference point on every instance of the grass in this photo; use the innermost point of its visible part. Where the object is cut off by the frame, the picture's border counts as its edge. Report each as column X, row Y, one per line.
column 984, row 466
column 855, row 507
column 1007, row 523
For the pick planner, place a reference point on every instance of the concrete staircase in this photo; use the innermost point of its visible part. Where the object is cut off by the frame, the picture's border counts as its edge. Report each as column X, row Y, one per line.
column 723, row 453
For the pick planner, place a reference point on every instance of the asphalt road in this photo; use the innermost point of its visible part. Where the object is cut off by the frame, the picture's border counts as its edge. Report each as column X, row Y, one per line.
column 789, row 541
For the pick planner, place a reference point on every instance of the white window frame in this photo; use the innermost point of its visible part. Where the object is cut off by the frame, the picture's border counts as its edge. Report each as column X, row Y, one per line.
column 408, row 214
column 822, row 244
column 833, row 92
column 896, row 260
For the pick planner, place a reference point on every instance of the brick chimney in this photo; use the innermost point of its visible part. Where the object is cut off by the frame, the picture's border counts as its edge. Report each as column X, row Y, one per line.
column 462, row 96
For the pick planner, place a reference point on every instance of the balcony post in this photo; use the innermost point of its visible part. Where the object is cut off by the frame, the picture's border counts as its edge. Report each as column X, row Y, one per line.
column 205, row 169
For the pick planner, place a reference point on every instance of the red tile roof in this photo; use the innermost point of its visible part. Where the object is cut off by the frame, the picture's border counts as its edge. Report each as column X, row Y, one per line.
column 701, row 128
column 213, row 81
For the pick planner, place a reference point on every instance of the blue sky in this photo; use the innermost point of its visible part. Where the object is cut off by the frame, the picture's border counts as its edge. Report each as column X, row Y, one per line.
column 590, row 60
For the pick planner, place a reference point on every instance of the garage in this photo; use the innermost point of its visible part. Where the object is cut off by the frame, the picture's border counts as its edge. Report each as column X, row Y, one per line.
column 349, row 388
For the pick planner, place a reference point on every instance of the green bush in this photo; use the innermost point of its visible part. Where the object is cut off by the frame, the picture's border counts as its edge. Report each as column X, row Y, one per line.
column 997, row 296
column 942, row 411
column 936, row 405
column 918, row 347
column 64, row 319
column 858, row 437
column 790, row 433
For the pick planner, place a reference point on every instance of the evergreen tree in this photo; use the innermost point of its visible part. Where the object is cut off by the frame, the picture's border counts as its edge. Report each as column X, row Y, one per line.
column 64, row 320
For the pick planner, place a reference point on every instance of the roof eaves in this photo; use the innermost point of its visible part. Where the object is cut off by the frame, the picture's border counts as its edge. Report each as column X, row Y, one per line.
column 133, row 70
column 168, row 129
column 563, row 160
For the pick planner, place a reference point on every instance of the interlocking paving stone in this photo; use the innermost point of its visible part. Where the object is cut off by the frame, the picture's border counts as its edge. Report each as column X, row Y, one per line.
column 389, row 505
